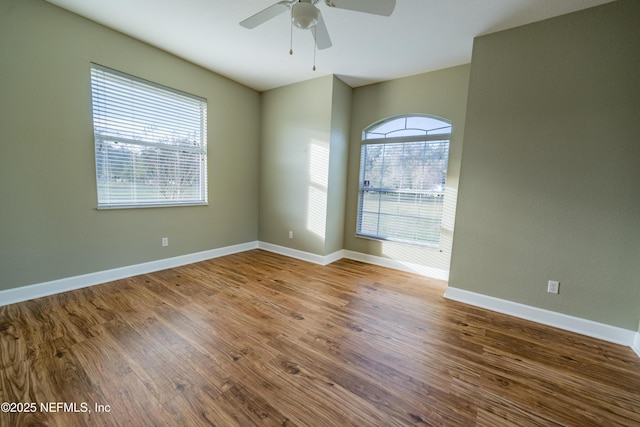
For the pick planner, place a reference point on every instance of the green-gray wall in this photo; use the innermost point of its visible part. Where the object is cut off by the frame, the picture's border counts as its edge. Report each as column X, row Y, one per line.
column 338, row 165
column 440, row 93
column 551, row 166
column 303, row 165
column 49, row 225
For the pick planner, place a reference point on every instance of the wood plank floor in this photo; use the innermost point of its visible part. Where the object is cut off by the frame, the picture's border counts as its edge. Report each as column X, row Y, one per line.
column 260, row 339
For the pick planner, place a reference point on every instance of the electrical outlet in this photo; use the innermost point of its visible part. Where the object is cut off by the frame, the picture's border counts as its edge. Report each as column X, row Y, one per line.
column 553, row 287
column 165, row 241
column 290, row 234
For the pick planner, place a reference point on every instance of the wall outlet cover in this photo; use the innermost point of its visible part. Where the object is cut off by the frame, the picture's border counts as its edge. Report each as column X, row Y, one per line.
column 553, row 287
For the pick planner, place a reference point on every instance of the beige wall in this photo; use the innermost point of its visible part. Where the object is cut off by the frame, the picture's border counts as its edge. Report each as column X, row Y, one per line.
column 440, row 93
column 302, row 158
column 550, row 172
column 49, row 225
column 338, row 157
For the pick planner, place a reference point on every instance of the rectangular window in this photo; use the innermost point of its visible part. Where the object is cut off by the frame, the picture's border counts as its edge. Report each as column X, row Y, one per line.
column 150, row 142
column 402, row 187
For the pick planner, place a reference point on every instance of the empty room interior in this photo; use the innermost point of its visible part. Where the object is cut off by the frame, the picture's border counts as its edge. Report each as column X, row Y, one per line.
column 427, row 214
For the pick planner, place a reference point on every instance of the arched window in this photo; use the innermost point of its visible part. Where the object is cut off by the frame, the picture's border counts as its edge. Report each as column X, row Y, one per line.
column 403, row 171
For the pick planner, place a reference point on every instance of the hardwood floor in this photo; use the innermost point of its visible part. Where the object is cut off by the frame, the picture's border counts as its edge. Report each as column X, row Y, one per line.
column 260, row 339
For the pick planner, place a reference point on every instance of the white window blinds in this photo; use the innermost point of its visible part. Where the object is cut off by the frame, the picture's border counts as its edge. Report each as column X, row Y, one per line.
column 150, row 142
column 403, row 171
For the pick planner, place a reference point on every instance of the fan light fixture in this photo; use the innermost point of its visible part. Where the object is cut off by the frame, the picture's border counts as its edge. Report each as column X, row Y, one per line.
column 304, row 15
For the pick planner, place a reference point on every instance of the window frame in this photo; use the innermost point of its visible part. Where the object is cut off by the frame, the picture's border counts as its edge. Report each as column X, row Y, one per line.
column 410, row 135
column 167, row 141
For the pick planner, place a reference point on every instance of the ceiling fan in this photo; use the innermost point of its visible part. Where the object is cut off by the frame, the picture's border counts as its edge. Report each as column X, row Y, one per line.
column 305, row 14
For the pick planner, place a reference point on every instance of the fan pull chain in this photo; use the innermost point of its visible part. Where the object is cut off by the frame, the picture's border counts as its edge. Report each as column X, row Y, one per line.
column 315, row 46
column 291, row 39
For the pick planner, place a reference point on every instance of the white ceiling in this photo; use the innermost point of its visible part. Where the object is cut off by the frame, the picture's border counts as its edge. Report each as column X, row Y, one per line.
column 420, row 35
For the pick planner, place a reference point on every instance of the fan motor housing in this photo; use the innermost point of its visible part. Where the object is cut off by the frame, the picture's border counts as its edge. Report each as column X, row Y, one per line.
column 304, row 15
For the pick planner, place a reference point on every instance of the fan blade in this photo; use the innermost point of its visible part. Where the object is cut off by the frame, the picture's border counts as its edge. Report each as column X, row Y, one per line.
column 376, row 7
column 321, row 34
column 266, row 14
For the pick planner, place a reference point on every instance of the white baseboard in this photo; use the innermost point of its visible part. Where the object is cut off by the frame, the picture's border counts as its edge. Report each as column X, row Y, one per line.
column 356, row 256
column 636, row 343
column 24, row 293
column 422, row 270
column 582, row 326
column 302, row 255
column 586, row 327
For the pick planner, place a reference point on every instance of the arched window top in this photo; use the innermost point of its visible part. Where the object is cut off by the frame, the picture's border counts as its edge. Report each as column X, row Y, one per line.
column 407, row 125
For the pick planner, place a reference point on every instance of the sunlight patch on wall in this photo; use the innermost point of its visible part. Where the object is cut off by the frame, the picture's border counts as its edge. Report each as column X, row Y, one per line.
column 317, row 211
column 317, row 192
column 449, row 210
column 417, row 259
column 319, row 163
